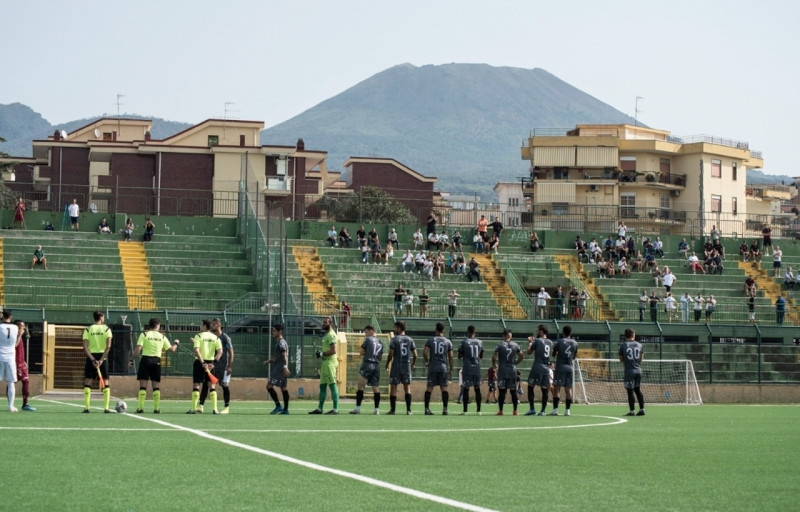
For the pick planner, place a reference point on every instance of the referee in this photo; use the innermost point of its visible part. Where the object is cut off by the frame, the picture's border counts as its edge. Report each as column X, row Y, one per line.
column 150, row 344
column 96, row 345
column 207, row 350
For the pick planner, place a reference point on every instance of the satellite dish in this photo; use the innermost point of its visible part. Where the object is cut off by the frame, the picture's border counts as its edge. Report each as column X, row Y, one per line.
column 63, row 134
column 97, row 133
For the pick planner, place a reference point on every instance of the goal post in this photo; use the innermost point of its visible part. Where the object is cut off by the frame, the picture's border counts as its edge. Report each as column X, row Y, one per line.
column 664, row 381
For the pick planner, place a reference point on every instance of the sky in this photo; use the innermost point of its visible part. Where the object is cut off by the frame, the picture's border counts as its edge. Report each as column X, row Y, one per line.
column 722, row 68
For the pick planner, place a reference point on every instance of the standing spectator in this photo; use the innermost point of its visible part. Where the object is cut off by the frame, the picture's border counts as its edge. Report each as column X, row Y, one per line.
column 402, row 358
column 424, row 298
column 408, row 301
column 670, row 306
column 654, row 300
column 128, row 231
column 346, row 312
column 573, row 302
column 715, row 233
column 533, row 241
column 104, row 228
column 370, row 372
column 279, row 373
column 74, row 211
column 711, row 306
column 699, row 306
column 474, row 270
column 9, row 339
column 668, row 279
column 399, row 292
column 686, row 299
column 327, row 371
column 491, row 380
column 777, row 255
column 431, row 223
column 583, row 297
column 418, row 239
column 39, row 258
column 683, row 248
column 539, row 375
column 438, row 355
column 452, row 303
column 751, row 309
column 644, row 300
column 788, row 278
column 631, row 355
column 541, row 302
column 96, row 346
column 22, row 365
column 558, row 303
column 766, row 233
column 565, row 351
column 780, row 309
column 622, row 229
column 750, row 287
column 344, row 237
column 149, row 228
column 483, row 225
column 470, row 352
column 507, row 355
column 151, row 344
column 19, row 213
column 207, row 351
column 497, row 227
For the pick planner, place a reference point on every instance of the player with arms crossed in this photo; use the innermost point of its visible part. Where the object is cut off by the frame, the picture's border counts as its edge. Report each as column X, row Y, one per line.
column 541, row 347
column 9, row 338
column 96, row 345
column 402, row 358
column 565, row 350
column 471, row 352
column 507, row 355
column 279, row 374
column 370, row 371
column 438, row 355
column 327, row 370
column 150, row 344
column 631, row 354
column 207, row 351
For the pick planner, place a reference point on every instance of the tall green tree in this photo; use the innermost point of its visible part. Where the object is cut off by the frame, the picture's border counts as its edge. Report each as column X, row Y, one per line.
column 373, row 206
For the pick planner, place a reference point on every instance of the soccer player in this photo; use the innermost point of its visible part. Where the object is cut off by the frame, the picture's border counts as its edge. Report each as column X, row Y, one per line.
column 541, row 347
column 279, row 374
column 438, row 355
column 22, row 366
column 630, row 353
column 327, row 370
column 222, row 369
column 403, row 359
column 370, row 371
column 9, row 339
column 471, row 352
column 565, row 352
column 507, row 355
column 207, row 352
column 150, row 344
column 96, row 345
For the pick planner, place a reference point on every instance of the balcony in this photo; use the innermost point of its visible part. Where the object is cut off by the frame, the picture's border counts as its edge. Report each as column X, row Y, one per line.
column 278, row 186
column 654, row 178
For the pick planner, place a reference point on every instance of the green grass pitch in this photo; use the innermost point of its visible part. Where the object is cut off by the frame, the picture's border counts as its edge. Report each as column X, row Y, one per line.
column 711, row 457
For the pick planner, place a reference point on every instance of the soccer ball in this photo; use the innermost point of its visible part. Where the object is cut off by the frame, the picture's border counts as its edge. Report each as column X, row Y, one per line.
column 121, row 407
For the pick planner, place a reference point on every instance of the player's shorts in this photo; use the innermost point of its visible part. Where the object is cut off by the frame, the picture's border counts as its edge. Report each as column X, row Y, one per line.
column 472, row 381
column 438, row 379
column 73, row 220
column 371, row 372
column 564, row 379
column 90, row 372
column 219, row 368
column 199, row 375
column 226, row 379
column 492, row 385
column 8, row 371
column 399, row 378
column 767, row 241
column 278, row 379
column 327, row 373
column 149, row 369
column 539, row 378
column 776, row 264
column 22, row 372
column 507, row 379
column 633, row 379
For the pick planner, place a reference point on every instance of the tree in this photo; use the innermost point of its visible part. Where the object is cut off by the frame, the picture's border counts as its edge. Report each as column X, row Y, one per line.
column 374, row 205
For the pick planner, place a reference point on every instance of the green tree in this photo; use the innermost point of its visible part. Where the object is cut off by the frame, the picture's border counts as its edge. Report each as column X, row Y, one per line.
column 374, row 205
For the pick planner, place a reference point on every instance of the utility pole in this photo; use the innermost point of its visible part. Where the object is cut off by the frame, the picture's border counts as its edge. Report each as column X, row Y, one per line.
column 636, row 111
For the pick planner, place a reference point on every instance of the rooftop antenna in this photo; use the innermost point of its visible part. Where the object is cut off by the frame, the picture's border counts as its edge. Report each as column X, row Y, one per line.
column 228, row 109
column 119, row 97
column 636, row 111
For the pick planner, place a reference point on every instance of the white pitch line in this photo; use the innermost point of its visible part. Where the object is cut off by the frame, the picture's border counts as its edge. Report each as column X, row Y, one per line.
column 317, row 467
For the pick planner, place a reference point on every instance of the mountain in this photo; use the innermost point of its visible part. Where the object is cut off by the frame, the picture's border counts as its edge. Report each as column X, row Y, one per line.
column 463, row 123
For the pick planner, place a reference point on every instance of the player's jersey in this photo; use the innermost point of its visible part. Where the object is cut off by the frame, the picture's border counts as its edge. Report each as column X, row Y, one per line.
column 373, row 349
column 8, row 340
column 152, row 343
column 507, row 358
column 207, row 343
column 402, row 347
column 566, row 349
column 631, row 352
column 471, row 352
column 542, row 348
column 328, row 340
column 21, row 353
column 96, row 336
column 438, row 349
column 226, row 342
column 281, row 356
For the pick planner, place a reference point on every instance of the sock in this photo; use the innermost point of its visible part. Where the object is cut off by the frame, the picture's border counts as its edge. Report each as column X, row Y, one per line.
column 87, row 397
column 514, row 398
column 630, row 399
column 555, row 403
column 323, row 394
column 427, row 400
column 376, row 397
column 544, row 399
column 142, row 396
column 213, row 395
column 195, row 398
column 445, row 399
column 392, row 402
column 226, row 395
column 157, row 399
column 285, row 394
column 25, row 392
column 204, row 393
column 359, row 397
column 530, row 396
column 502, row 400
column 11, row 391
column 569, row 403
column 465, row 398
column 274, row 396
column 335, row 396
column 478, row 398
column 408, row 401
column 106, row 396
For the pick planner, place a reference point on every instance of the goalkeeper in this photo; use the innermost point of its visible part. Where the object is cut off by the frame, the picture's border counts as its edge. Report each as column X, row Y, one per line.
column 327, row 370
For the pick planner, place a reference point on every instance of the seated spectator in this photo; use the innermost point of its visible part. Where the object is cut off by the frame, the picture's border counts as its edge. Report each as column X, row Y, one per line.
column 427, row 268
column 650, row 259
column 392, row 238
column 788, row 278
column 477, row 242
column 608, row 248
column 494, row 243
column 438, row 266
column 622, row 267
column 128, row 231
column 648, row 247
column 372, row 236
column 149, row 228
column 694, row 264
column 344, row 237
column 637, row 263
column 717, row 245
column 419, row 261
column 533, row 241
column 755, row 252
column 602, row 267
column 707, row 248
column 361, row 236
column 580, row 249
column 38, row 258
column 408, row 261
column 620, row 248
column 630, row 246
column 611, row 268
column 377, row 254
column 332, row 234
column 474, row 270
column 750, row 287
column 364, row 252
column 457, row 241
column 657, row 276
column 744, row 251
column 444, row 241
column 658, row 247
column 709, row 265
column 460, row 266
column 717, row 260
column 433, row 242
column 389, row 253
column 103, row 228
column 418, row 239
column 683, row 248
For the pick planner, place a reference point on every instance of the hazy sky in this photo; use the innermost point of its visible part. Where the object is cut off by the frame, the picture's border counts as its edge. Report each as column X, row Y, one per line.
column 724, row 68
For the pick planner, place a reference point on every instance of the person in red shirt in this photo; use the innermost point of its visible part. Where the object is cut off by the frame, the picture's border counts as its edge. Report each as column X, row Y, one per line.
column 22, row 367
column 491, row 377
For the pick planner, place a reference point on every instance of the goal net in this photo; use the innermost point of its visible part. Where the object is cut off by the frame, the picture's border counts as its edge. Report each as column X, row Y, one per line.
column 664, row 381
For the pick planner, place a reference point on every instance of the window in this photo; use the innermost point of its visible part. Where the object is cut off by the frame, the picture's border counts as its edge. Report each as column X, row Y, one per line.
column 664, row 205
column 664, row 166
column 716, row 168
column 561, row 173
column 213, row 140
column 560, row 208
column 716, row 203
column 627, row 163
column 513, row 202
column 734, row 207
column 734, row 172
column 627, row 201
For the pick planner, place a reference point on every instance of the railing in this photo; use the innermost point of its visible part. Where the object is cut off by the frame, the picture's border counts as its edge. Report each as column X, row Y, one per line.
column 519, row 291
column 719, row 141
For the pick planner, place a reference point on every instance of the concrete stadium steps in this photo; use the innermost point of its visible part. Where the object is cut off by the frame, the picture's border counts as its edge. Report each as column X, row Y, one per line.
column 605, row 312
column 498, row 286
column 325, row 301
column 136, row 274
column 771, row 286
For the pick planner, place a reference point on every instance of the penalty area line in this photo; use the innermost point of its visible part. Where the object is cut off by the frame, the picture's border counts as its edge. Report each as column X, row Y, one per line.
column 317, row 467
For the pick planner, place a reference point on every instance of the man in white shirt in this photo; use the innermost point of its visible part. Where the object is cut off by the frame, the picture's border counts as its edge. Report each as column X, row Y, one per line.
column 685, row 300
column 73, row 210
column 670, row 306
column 694, row 264
column 541, row 302
column 9, row 337
column 668, row 279
column 418, row 240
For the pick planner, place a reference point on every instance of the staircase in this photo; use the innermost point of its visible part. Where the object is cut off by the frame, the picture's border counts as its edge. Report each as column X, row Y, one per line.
column 138, row 285
column 497, row 284
column 604, row 310
column 325, row 302
column 767, row 284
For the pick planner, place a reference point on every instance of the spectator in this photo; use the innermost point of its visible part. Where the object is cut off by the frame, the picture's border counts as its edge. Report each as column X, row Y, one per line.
column 483, row 224
column 149, row 228
column 683, row 248
column 580, row 249
column 686, row 299
column 751, row 309
column 650, row 259
column 344, row 237
column 452, row 303
column 346, row 312
column 39, row 258
column 608, row 247
column 573, row 302
column 19, row 213
column 670, row 306
column 361, row 236
column 332, row 234
column 399, row 293
column 474, row 270
column 766, row 233
column 780, row 309
column 711, row 306
column 644, row 300
column 668, row 279
column 744, row 251
column 477, row 243
column 755, row 252
column 460, row 265
column 558, row 302
column 389, row 254
column 541, row 302
column 699, row 306
column 408, row 301
column 424, row 299
column 657, row 275
column 717, row 261
column 658, row 247
column 717, row 246
column 408, row 262
column 373, row 237
column 457, row 241
column 750, row 287
column 377, row 256
column 595, row 252
column 533, row 241
column 622, row 267
column 433, row 242
column 392, row 237
column 431, row 223
column 788, row 278
column 418, row 239
column 637, row 263
column 654, row 300
column 583, row 297
column 103, row 228
column 622, row 229
column 709, row 264
column 715, row 233
column 444, row 241
column 497, row 227
column 438, row 266
column 74, row 211
column 777, row 255
column 419, row 261
column 427, row 268
column 364, row 252
column 494, row 243
column 602, row 268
